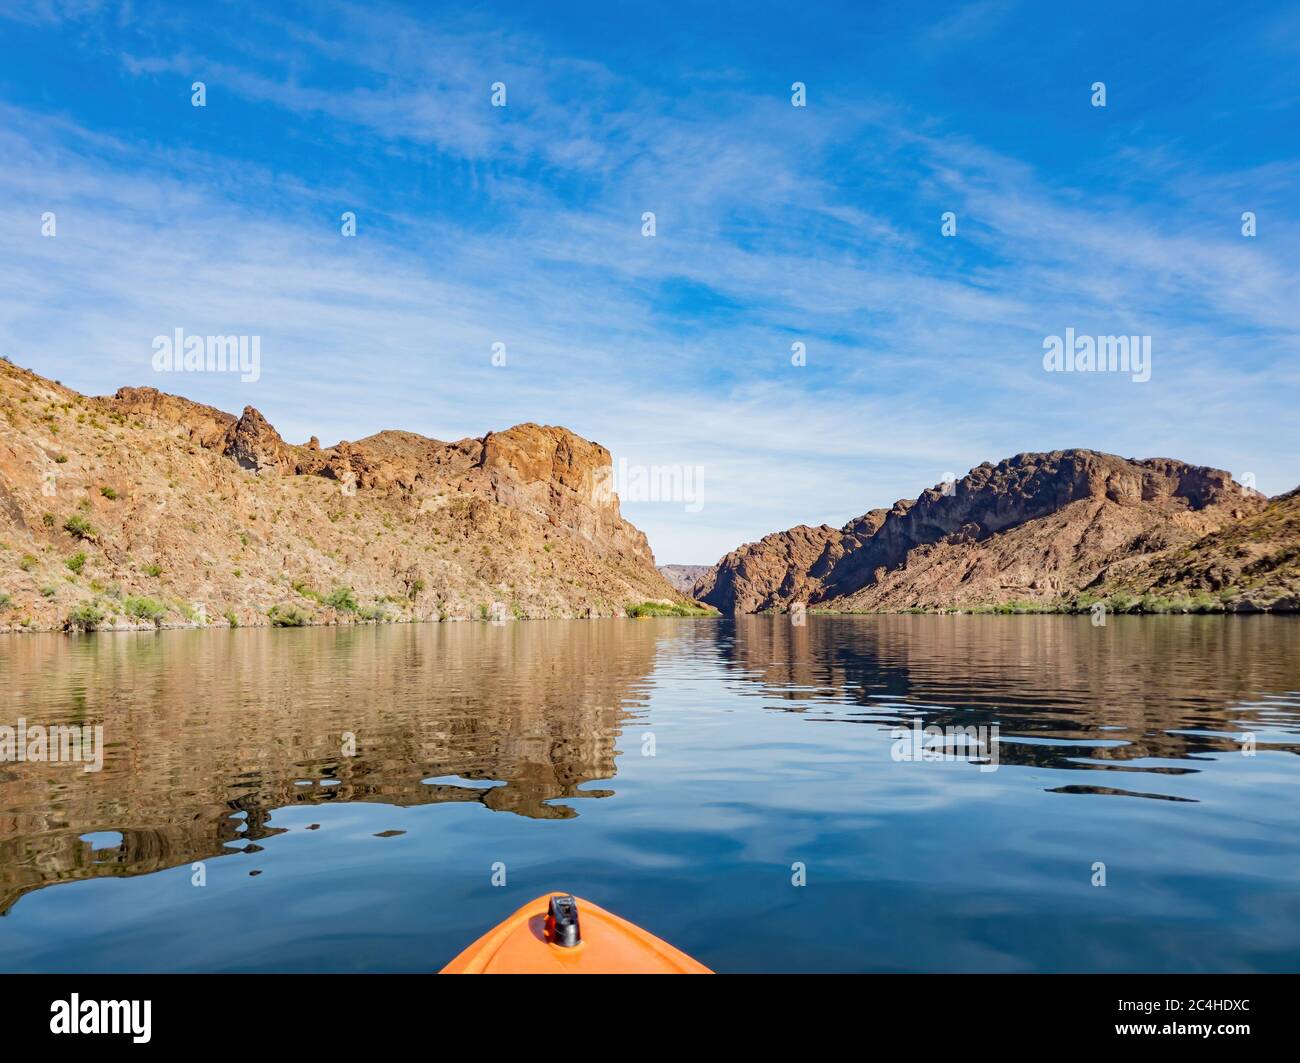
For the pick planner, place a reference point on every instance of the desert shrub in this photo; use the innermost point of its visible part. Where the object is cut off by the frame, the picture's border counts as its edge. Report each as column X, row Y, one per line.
column 78, row 526
column 194, row 616
column 305, row 589
column 85, row 617
column 286, row 616
column 143, row 607
column 77, row 561
column 109, row 493
column 342, row 598
column 668, row 609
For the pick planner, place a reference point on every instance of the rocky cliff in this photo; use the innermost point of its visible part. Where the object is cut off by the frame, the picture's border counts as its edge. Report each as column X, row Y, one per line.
column 1037, row 529
column 145, row 508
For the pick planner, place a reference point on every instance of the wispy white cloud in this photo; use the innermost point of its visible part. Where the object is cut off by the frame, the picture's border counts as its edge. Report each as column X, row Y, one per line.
column 924, row 353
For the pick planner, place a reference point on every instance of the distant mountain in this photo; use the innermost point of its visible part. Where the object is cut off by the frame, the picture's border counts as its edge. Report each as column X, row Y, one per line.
column 145, row 508
column 683, row 577
column 1047, row 530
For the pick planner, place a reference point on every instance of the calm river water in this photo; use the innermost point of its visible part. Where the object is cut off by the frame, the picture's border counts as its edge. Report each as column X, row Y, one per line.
column 345, row 794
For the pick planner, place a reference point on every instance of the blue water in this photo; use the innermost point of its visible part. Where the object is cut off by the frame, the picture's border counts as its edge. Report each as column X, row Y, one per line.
column 678, row 772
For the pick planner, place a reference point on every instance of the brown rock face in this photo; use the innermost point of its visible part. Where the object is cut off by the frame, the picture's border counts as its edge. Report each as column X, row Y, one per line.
column 188, row 504
column 1257, row 557
column 254, row 445
column 1035, row 527
column 772, row 572
column 205, row 425
column 785, row 567
column 559, row 477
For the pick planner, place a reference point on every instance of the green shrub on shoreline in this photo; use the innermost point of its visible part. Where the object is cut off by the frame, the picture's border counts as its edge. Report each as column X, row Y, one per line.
column 143, row 607
column 643, row 609
column 1115, row 605
column 287, row 616
column 342, row 599
column 85, row 617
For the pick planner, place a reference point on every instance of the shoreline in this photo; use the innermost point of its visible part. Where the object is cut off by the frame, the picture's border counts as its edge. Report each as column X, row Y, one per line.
column 771, row 614
column 293, row 617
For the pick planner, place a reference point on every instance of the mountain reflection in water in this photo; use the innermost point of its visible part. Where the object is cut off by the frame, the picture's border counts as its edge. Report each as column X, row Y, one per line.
column 212, row 738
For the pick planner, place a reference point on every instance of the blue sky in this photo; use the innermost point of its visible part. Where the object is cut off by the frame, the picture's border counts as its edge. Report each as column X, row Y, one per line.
column 774, row 225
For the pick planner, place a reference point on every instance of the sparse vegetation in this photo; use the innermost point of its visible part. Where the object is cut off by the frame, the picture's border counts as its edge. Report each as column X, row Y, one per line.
column 109, row 493
column 151, row 570
column 77, row 526
column 143, row 607
column 343, row 599
column 77, row 561
column 303, row 588
column 662, row 608
column 85, row 617
column 1014, row 607
column 285, row 615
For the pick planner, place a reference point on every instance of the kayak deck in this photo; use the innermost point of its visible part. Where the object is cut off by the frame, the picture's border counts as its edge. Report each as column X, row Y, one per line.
column 532, row 942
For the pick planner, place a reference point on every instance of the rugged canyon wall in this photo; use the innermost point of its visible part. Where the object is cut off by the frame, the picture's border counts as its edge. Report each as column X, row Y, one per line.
column 144, row 508
column 1041, row 529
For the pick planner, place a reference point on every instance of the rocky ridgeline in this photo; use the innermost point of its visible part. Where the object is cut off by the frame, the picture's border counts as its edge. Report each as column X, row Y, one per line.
column 683, row 577
column 1038, row 530
column 145, row 508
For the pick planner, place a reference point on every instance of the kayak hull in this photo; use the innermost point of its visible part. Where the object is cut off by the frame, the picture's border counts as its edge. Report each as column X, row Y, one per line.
column 609, row 945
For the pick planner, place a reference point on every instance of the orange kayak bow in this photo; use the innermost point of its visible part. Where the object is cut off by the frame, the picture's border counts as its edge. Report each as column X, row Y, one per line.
column 562, row 934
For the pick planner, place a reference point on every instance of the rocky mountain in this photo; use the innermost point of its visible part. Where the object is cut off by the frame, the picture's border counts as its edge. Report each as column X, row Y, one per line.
column 683, row 577
column 784, row 567
column 1256, row 560
column 1040, row 530
column 145, row 508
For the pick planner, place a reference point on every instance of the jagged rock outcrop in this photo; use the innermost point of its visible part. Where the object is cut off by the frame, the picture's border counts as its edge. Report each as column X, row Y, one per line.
column 181, row 503
column 784, row 567
column 1036, row 527
column 254, row 445
column 206, row 425
column 772, row 572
